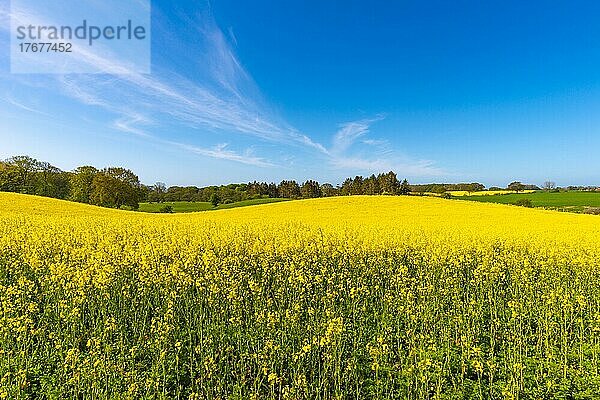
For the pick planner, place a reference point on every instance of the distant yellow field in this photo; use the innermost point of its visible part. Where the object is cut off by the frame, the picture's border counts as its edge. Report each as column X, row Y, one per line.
column 403, row 297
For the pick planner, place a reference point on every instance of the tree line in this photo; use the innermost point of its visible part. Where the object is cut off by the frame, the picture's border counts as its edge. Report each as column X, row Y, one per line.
column 108, row 187
column 476, row 187
column 387, row 183
column 448, row 187
column 119, row 187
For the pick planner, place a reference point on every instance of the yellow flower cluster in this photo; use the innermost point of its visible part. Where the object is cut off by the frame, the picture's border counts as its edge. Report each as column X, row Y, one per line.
column 348, row 297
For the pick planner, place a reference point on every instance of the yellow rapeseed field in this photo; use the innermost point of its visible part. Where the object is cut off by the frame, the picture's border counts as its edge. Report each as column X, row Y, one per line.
column 350, row 297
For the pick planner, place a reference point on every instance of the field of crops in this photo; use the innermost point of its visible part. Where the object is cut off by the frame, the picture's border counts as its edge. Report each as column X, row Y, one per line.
column 350, row 297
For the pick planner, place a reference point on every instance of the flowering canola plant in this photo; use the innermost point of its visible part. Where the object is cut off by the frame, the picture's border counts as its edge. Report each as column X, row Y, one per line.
column 348, row 297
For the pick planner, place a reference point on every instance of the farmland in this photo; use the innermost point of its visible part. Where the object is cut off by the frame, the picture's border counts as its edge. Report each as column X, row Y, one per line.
column 190, row 206
column 462, row 193
column 565, row 201
column 349, row 297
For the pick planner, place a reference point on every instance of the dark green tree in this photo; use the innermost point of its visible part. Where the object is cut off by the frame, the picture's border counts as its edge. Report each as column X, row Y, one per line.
column 214, row 199
column 404, row 187
column 289, row 190
column 516, row 186
column 116, row 187
column 371, row 185
column 356, row 187
column 51, row 181
column 346, row 188
column 9, row 178
column 156, row 193
column 388, row 183
column 328, row 190
column 26, row 168
column 310, row 189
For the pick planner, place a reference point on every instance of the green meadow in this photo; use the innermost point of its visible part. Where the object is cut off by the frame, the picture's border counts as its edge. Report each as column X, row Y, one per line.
column 194, row 206
column 575, row 201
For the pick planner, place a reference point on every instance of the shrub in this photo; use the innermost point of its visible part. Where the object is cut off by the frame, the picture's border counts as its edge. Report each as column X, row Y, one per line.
column 523, row 203
column 592, row 210
column 166, row 209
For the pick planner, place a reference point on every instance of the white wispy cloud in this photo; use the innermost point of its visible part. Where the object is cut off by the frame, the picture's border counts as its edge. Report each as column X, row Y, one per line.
column 419, row 168
column 79, row 93
column 130, row 123
column 215, row 94
column 220, row 97
column 375, row 142
column 378, row 158
column 8, row 99
column 349, row 132
column 220, row 151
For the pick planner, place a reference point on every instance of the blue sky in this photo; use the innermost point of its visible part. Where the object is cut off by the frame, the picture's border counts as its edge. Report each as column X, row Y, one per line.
column 437, row 91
